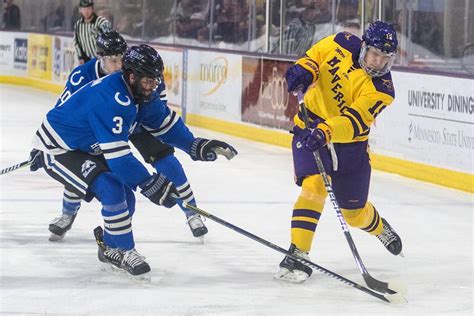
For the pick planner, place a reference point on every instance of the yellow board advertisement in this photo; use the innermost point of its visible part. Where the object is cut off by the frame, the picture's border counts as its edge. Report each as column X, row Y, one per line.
column 39, row 56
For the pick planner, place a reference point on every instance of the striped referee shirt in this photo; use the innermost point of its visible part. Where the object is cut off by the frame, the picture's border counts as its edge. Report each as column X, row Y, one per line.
column 85, row 34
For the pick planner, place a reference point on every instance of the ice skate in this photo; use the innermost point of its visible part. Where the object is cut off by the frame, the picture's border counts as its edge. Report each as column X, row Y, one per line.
column 197, row 226
column 293, row 271
column 390, row 239
column 111, row 259
column 135, row 264
column 60, row 225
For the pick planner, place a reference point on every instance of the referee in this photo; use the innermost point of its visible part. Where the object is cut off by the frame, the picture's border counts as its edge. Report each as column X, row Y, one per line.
column 86, row 30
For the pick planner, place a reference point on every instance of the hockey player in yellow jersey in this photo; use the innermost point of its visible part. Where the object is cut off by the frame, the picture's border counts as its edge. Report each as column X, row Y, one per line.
column 347, row 84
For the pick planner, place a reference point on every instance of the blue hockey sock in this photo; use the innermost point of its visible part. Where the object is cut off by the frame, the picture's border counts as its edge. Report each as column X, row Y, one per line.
column 117, row 219
column 71, row 202
column 131, row 201
column 118, row 226
column 173, row 170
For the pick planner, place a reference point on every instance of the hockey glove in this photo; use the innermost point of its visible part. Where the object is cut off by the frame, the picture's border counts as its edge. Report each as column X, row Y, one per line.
column 159, row 190
column 208, row 149
column 313, row 139
column 35, row 160
column 301, row 75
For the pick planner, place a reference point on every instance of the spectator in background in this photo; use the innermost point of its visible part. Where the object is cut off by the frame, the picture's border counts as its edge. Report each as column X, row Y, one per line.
column 75, row 16
column 59, row 15
column 106, row 13
column 312, row 25
column 427, row 29
column 127, row 25
column 152, row 25
column 187, row 18
column 55, row 18
column 11, row 16
column 229, row 15
column 352, row 27
column 348, row 17
column 347, row 11
column 86, row 29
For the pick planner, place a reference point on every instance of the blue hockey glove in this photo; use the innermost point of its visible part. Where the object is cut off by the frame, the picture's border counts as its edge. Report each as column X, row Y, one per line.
column 313, row 139
column 35, row 160
column 159, row 190
column 302, row 74
column 207, row 149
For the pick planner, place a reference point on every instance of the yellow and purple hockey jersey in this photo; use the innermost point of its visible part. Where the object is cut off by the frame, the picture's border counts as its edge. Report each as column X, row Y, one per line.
column 342, row 93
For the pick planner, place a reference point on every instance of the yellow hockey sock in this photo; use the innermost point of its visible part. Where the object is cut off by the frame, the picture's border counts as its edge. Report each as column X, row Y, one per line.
column 366, row 218
column 306, row 212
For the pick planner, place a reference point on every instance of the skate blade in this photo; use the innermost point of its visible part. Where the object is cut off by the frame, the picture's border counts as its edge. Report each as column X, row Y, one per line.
column 110, row 268
column 142, row 278
column 54, row 237
column 286, row 275
column 401, row 254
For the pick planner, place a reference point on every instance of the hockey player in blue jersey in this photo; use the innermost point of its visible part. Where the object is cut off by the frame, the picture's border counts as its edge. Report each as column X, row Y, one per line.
column 83, row 144
column 110, row 47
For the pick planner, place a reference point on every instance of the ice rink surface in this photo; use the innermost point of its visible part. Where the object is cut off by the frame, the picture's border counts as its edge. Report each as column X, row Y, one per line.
column 229, row 274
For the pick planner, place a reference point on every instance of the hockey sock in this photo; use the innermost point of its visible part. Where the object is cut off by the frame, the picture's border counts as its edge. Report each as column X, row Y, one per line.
column 117, row 219
column 366, row 218
column 71, row 202
column 131, row 201
column 307, row 211
column 173, row 170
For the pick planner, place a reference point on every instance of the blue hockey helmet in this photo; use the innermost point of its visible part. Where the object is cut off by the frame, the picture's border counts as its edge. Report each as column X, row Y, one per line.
column 382, row 38
column 110, row 43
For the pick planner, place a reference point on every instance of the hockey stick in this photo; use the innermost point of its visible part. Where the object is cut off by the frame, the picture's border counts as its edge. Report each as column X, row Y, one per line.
column 371, row 282
column 390, row 298
column 15, row 167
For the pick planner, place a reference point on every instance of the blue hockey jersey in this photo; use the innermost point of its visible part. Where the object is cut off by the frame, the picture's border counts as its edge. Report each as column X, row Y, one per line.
column 162, row 123
column 97, row 119
column 79, row 77
column 85, row 73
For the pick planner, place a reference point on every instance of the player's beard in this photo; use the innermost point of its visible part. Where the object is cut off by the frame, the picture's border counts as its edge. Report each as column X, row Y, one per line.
column 139, row 94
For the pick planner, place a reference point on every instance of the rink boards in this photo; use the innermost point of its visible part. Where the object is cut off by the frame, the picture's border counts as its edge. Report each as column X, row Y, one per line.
column 426, row 134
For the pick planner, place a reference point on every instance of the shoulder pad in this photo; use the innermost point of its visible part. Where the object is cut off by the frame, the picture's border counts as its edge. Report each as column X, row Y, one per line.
column 384, row 84
column 348, row 41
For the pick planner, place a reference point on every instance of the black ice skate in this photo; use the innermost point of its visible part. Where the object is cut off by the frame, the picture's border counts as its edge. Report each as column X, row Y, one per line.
column 130, row 261
column 106, row 254
column 134, row 263
column 293, row 271
column 197, row 226
column 60, row 225
column 390, row 239
column 111, row 256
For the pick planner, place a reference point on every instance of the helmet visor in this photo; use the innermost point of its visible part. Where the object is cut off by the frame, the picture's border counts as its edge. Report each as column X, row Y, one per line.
column 375, row 61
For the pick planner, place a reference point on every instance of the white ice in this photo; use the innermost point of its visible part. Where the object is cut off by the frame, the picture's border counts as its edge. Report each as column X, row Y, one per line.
column 229, row 274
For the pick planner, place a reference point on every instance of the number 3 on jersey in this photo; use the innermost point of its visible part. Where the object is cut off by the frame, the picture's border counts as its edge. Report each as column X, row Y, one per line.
column 118, row 125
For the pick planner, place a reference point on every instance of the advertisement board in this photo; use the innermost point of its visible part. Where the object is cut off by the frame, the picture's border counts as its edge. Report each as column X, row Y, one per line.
column 265, row 100
column 173, row 62
column 40, row 56
column 214, row 85
column 6, row 53
column 13, row 54
column 430, row 121
column 20, row 54
column 64, row 59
